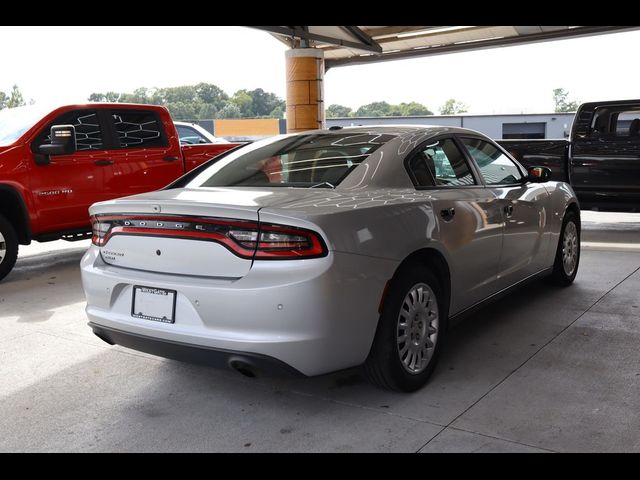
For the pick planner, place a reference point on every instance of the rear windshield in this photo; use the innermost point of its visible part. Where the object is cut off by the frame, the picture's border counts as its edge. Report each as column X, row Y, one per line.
column 308, row 161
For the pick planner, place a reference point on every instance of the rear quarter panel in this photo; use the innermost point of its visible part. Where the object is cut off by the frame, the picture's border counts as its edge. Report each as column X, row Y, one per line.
column 561, row 196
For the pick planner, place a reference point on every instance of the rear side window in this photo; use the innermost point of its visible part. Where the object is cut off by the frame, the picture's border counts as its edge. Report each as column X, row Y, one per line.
column 495, row 167
column 440, row 163
column 628, row 124
column 89, row 135
column 138, row 129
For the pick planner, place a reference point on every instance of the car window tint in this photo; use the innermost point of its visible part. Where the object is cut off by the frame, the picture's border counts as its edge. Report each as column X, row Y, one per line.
column 138, row 129
column 419, row 170
column 446, row 163
column 308, row 161
column 495, row 167
column 88, row 131
column 190, row 135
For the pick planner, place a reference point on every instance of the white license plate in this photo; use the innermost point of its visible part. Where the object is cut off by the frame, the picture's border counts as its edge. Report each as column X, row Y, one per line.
column 155, row 304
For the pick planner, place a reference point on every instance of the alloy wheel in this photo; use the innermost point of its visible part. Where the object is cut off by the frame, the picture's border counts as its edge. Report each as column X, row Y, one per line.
column 570, row 248
column 3, row 248
column 417, row 331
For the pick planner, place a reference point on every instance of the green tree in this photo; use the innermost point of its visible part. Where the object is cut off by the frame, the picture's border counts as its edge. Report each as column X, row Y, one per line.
column 230, row 110
column 211, row 94
column 3, row 100
column 560, row 100
column 263, row 103
column 453, row 107
column 243, row 100
column 336, row 110
column 278, row 112
column 375, row 109
column 202, row 101
column 183, row 94
column 207, row 111
column 413, row 108
column 104, row 97
column 16, row 99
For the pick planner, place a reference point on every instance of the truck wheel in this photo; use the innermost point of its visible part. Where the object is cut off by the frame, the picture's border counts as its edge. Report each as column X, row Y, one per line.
column 8, row 247
column 565, row 266
column 410, row 332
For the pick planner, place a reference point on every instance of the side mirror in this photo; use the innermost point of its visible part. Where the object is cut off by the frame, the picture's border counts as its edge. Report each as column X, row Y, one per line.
column 539, row 174
column 63, row 141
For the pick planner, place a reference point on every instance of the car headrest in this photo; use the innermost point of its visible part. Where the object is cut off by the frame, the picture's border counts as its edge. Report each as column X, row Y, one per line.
column 634, row 128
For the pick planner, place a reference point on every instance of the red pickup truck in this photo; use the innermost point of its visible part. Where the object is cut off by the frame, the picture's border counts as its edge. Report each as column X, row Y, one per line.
column 54, row 163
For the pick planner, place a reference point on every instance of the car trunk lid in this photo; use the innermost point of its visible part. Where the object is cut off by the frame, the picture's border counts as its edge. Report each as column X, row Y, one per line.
column 184, row 234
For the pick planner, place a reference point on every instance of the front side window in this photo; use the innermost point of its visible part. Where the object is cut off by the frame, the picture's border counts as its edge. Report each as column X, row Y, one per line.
column 89, row 135
column 495, row 167
column 314, row 160
column 138, row 129
column 440, row 163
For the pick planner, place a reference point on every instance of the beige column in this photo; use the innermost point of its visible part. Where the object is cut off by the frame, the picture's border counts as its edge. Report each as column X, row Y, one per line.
column 305, row 89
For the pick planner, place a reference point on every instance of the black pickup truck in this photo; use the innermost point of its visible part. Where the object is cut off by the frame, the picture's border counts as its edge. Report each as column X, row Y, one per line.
column 601, row 159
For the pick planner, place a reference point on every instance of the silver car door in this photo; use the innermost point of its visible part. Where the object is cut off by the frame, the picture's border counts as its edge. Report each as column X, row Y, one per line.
column 468, row 216
column 524, row 206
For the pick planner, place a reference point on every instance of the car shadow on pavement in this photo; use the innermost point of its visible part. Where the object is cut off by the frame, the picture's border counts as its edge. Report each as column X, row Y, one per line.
column 40, row 284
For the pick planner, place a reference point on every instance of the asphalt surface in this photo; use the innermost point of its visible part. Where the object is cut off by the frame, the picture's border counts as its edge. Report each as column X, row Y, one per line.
column 544, row 369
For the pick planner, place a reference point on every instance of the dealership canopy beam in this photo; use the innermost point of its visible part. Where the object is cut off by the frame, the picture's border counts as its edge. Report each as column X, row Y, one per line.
column 369, row 44
column 349, row 37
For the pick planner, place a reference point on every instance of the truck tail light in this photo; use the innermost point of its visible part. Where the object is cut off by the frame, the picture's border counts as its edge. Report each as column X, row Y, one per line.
column 246, row 239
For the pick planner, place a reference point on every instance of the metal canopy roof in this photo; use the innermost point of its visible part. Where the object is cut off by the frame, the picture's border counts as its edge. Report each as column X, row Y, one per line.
column 357, row 45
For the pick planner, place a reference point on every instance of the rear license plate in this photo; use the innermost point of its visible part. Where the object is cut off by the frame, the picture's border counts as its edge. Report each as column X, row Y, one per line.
column 155, row 304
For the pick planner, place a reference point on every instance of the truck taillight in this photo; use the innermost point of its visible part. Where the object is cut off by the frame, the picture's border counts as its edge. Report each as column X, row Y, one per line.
column 246, row 239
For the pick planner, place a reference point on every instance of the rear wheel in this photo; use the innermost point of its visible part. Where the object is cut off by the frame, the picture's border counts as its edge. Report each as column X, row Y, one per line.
column 567, row 259
column 8, row 247
column 410, row 332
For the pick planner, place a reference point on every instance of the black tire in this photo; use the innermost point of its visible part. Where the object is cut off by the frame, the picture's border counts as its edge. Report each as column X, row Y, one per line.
column 384, row 365
column 560, row 276
column 8, row 247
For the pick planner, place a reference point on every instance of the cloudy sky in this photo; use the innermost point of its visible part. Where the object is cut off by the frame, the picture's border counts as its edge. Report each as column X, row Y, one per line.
column 67, row 64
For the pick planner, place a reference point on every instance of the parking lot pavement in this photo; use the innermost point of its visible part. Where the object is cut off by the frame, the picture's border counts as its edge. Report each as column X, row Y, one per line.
column 544, row 369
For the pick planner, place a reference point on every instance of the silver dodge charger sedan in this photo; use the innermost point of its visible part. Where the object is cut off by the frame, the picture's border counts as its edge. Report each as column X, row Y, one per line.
column 315, row 252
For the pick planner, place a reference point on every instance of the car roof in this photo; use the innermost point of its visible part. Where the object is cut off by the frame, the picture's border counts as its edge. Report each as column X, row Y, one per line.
column 399, row 130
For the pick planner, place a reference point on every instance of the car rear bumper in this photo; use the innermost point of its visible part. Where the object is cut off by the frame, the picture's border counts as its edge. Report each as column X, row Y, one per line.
column 250, row 364
column 316, row 316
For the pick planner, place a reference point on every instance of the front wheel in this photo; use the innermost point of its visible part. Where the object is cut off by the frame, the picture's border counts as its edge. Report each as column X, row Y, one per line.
column 410, row 332
column 8, row 247
column 567, row 259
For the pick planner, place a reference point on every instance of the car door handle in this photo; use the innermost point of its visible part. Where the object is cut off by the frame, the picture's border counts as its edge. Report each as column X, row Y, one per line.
column 169, row 158
column 447, row 214
column 107, row 161
column 508, row 210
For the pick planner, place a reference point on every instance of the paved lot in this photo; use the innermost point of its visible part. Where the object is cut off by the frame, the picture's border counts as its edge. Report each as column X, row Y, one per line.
column 544, row 369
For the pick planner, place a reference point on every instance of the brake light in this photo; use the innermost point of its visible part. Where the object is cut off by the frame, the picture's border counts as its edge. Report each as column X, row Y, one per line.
column 279, row 241
column 100, row 230
column 246, row 239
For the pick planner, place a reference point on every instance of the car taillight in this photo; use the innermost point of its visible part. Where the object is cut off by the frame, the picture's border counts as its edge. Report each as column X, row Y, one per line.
column 100, row 230
column 246, row 239
column 281, row 242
